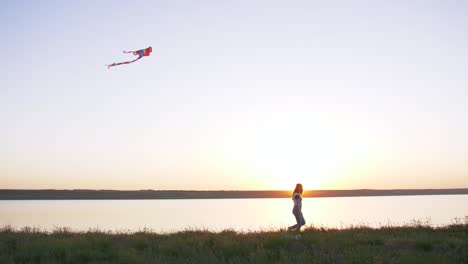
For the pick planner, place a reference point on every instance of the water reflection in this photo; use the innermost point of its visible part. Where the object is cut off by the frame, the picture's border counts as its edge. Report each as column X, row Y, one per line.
column 238, row 214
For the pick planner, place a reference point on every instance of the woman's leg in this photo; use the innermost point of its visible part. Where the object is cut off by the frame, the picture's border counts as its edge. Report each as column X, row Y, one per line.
column 299, row 219
column 294, row 211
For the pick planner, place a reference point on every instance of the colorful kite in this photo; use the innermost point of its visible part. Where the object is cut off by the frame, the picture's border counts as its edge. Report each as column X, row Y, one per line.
column 139, row 53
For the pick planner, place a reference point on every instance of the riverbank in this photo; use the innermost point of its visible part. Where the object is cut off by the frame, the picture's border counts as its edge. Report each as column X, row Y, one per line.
column 416, row 243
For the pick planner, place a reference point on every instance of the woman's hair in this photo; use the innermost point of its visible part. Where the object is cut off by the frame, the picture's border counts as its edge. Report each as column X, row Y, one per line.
column 296, row 190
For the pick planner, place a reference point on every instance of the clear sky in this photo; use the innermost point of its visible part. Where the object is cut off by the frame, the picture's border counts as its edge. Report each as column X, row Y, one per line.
column 236, row 94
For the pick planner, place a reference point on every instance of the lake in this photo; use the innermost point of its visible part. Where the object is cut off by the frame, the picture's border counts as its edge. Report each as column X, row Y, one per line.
column 237, row 214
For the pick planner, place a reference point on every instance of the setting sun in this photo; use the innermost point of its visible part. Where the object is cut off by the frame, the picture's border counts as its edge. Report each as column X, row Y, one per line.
column 279, row 151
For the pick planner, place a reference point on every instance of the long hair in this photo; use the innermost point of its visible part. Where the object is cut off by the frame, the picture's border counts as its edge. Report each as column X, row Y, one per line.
column 296, row 190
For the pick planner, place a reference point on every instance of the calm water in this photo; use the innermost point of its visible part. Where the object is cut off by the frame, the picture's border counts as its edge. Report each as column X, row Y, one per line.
column 238, row 214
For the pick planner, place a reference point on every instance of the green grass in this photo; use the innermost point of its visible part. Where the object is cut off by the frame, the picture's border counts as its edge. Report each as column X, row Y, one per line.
column 416, row 243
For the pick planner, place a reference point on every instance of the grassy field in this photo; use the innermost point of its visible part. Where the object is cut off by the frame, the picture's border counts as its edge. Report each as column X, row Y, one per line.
column 415, row 243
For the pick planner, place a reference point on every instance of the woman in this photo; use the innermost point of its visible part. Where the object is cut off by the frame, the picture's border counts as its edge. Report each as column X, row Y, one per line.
column 297, row 209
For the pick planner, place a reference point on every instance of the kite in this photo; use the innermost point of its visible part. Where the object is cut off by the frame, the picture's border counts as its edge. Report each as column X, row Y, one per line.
column 139, row 53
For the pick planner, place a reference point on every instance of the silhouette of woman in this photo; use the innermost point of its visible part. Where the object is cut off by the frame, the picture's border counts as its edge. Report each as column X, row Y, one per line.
column 297, row 209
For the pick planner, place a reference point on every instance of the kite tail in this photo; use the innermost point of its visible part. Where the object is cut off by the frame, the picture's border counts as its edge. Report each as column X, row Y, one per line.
column 127, row 51
column 125, row 62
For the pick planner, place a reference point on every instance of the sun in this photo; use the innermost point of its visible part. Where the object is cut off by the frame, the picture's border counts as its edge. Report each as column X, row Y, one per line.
column 277, row 160
column 289, row 165
column 278, row 155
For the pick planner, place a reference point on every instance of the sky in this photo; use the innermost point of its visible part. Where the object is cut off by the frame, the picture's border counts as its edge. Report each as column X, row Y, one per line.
column 237, row 95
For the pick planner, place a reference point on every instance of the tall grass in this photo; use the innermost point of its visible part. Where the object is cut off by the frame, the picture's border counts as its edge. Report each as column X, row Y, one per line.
column 414, row 243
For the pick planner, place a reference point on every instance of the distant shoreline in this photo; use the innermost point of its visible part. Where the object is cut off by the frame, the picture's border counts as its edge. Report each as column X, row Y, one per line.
column 14, row 194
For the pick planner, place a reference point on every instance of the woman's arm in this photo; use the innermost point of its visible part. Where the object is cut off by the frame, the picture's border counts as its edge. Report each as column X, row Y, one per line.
column 297, row 196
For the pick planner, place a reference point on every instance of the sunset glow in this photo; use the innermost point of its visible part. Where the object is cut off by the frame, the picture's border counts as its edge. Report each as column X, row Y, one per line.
column 334, row 95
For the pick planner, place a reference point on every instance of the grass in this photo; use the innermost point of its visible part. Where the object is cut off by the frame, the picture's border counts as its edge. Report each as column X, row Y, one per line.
column 415, row 243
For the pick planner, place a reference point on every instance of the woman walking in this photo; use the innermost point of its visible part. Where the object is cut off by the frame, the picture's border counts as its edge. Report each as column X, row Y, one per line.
column 297, row 209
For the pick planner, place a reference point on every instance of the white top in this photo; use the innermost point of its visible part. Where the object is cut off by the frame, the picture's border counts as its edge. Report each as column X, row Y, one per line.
column 297, row 198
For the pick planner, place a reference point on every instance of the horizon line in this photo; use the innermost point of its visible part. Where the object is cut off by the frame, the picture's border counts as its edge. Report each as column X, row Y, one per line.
column 231, row 190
